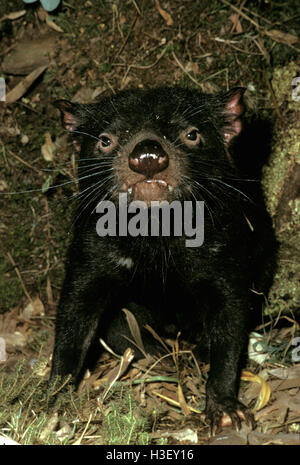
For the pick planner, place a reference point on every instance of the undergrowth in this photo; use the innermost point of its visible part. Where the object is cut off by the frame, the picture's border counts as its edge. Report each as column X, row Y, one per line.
column 125, row 423
column 30, row 413
column 26, row 404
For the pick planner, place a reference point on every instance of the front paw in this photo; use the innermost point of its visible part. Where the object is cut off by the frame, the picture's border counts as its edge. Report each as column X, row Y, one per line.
column 226, row 411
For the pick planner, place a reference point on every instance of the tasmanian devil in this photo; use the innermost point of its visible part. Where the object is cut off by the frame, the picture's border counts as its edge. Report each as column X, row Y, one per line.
column 162, row 144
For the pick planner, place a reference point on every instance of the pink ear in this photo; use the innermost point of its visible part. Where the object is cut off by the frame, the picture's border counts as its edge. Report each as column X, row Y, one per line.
column 68, row 111
column 69, row 119
column 234, row 109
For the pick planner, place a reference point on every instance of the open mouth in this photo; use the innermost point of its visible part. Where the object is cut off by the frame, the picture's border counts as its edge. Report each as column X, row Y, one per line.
column 149, row 190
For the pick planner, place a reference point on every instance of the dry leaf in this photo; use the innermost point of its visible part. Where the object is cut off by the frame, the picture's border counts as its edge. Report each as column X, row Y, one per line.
column 134, row 329
column 192, row 67
column 157, row 337
column 282, row 37
column 44, row 16
column 282, row 385
column 173, row 402
column 52, row 25
column 286, row 372
column 294, row 404
column 167, row 17
column 166, row 398
column 182, row 402
column 29, row 54
column 14, row 15
column 3, row 185
column 116, row 372
column 265, row 391
column 17, row 92
column 260, row 438
column 235, row 19
column 35, row 307
column 48, row 149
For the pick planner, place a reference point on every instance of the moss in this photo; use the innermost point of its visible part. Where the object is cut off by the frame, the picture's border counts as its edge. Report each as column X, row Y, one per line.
column 284, row 295
column 285, row 156
column 285, row 153
column 11, row 291
column 18, row 242
column 282, row 85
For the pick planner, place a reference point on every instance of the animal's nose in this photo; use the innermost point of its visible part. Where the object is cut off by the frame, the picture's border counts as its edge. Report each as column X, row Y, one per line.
column 148, row 158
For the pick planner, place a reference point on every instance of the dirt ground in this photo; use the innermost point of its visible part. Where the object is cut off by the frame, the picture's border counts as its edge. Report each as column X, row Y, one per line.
column 82, row 52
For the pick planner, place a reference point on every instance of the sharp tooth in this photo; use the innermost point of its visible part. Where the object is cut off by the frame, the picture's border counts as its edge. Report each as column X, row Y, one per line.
column 129, row 190
column 170, row 188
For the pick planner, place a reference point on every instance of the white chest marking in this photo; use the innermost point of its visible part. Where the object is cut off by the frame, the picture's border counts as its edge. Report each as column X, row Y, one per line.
column 125, row 261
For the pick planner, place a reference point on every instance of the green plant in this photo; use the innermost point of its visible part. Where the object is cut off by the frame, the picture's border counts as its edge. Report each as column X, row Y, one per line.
column 48, row 5
column 125, row 423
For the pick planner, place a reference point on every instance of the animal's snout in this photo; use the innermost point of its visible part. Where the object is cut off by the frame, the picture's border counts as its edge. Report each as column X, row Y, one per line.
column 148, row 158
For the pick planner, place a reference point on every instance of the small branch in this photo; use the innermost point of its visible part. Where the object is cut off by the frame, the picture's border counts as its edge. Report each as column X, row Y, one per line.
column 225, row 2
column 19, row 276
column 185, row 71
column 37, row 170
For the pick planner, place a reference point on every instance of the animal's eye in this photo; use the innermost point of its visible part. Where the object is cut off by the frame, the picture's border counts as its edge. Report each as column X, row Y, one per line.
column 107, row 142
column 191, row 137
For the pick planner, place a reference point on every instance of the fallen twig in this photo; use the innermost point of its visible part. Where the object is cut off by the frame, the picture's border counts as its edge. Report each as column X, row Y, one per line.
column 37, row 170
column 19, row 276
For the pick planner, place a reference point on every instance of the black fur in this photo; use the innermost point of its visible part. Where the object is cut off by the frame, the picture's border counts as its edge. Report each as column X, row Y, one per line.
column 203, row 291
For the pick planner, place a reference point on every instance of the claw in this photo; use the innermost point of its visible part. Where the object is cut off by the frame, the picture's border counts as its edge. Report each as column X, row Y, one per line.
column 250, row 420
column 228, row 412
